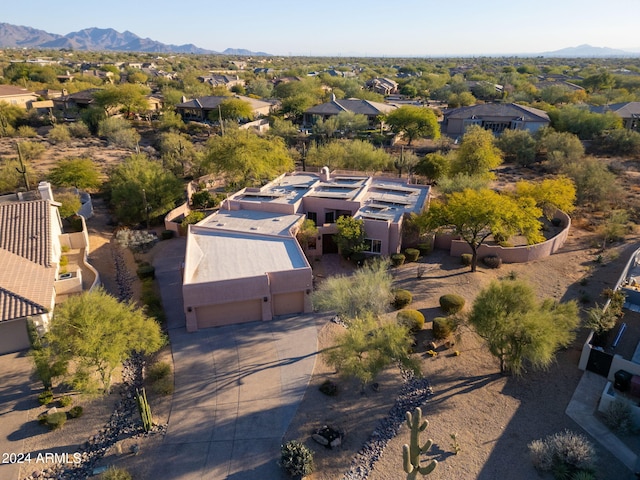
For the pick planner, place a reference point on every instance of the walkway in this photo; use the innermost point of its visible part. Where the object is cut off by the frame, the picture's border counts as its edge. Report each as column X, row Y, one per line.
column 237, row 388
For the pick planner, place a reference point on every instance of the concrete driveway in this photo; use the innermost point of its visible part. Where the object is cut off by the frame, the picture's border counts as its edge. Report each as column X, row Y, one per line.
column 17, row 396
column 237, row 388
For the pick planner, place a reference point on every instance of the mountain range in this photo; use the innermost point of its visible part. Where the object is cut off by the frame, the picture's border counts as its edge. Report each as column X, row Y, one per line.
column 582, row 51
column 98, row 39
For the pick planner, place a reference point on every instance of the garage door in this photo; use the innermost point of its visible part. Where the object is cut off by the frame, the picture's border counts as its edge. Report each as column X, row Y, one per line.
column 13, row 336
column 288, row 303
column 229, row 313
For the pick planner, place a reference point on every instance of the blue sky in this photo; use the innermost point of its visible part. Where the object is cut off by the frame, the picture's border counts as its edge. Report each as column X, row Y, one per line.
column 353, row 27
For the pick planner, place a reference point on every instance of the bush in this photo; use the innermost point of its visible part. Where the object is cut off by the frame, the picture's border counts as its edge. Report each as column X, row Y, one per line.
column 492, row 261
column 75, row 412
column 114, row 473
column 397, row 259
column 163, row 386
column 401, row 298
column 296, row 459
column 26, row 132
column 358, row 258
column 192, row 218
column 56, row 420
column 64, row 261
column 565, row 450
column 59, row 134
column 425, row 248
column 46, row 397
column 412, row 319
column 167, row 234
column 79, row 130
column 158, row 370
column 466, row 259
column 65, row 401
column 136, row 240
column 146, row 271
column 618, row 417
column 451, row 303
column 329, row 388
column 443, row 327
column 412, row 254
column 42, row 419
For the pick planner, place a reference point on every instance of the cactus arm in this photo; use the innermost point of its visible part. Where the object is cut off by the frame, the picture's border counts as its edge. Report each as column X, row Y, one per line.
column 426, row 470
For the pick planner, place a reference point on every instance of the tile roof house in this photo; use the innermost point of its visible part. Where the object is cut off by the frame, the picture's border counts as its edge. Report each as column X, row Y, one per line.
column 629, row 112
column 383, row 86
column 371, row 110
column 244, row 263
column 31, row 245
column 199, row 109
column 496, row 117
column 18, row 96
column 228, row 81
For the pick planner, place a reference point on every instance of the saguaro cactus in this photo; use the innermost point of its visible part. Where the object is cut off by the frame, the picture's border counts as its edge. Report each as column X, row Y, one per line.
column 411, row 453
column 144, row 409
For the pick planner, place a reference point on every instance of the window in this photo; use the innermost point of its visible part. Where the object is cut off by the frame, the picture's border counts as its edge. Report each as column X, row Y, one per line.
column 330, row 217
column 313, row 216
column 372, row 246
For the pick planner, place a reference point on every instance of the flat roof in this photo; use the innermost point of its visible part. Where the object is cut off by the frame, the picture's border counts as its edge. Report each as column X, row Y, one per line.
column 216, row 255
column 387, row 200
column 251, row 221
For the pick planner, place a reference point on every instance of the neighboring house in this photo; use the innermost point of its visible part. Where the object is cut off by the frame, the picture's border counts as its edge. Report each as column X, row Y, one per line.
column 31, row 247
column 629, row 112
column 244, row 263
column 75, row 101
column 228, row 81
column 371, row 110
column 105, row 76
column 496, row 117
column 383, row 86
column 199, row 109
column 18, row 96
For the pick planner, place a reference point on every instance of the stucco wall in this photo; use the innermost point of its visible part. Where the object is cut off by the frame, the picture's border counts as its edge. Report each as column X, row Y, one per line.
column 170, row 224
column 522, row 254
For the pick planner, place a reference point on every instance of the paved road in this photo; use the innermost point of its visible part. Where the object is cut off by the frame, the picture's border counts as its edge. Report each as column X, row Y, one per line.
column 237, row 388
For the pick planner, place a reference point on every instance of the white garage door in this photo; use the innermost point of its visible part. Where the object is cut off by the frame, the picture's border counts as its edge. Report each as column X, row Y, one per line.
column 229, row 313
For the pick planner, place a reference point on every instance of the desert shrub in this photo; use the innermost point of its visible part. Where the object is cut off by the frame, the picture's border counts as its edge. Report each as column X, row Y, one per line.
column 158, row 370
column 118, row 132
column 329, row 388
column 451, row 303
column 571, row 450
column 412, row 319
column 401, row 298
column 443, row 327
column 397, row 259
column 163, row 386
column 75, row 412
column 26, row 132
column 412, row 254
column 466, row 259
column 64, row 261
column 296, row 459
column 358, row 258
column 65, row 401
column 46, row 397
column 136, row 240
column 42, row 419
column 202, row 199
column 56, row 420
column 425, row 248
column 193, row 217
column 114, row 473
column 618, row 417
column 167, row 234
column 146, row 271
column 492, row 261
column 59, row 134
column 79, row 130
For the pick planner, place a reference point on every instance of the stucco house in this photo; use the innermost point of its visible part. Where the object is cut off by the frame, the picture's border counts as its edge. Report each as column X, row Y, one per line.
column 383, row 86
column 496, row 117
column 199, row 109
column 32, row 244
column 244, row 263
column 371, row 110
column 18, row 96
column 629, row 112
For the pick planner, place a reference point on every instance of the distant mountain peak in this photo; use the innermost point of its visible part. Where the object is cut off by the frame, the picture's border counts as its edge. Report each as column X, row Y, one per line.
column 97, row 39
column 586, row 50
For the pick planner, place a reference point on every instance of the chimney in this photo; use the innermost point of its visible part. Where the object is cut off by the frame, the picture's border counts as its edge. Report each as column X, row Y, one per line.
column 325, row 176
column 45, row 191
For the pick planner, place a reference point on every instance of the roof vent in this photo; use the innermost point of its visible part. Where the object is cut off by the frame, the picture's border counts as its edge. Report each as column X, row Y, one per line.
column 254, row 228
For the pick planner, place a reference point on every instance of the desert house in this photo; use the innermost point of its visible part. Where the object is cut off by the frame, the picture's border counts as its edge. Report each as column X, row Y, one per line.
column 496, row 117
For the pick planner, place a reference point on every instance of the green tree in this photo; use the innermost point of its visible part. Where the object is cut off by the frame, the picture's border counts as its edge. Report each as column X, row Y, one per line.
column 414, row 122
column 70, row 204
column 584, row 123
column 518, row 329
column 127, row 97
column 477, row 154
column 95, row 334
column 462, row 99
column 246, row 158
column 307, row 232
column 369, row 346
column 614, row 227
column 232, row 109
column 620, row 142
column 284, row 129
column 518, row 146
column 368, row 290
column 75, row 172
column 350, row 155
column 350, row 236
column 474, row 215
column 434, row 166
column 177, row 152
column 9, row 116
column 549, row 194
column 595, row 183
column 138, row 182
column 559, row 148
